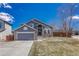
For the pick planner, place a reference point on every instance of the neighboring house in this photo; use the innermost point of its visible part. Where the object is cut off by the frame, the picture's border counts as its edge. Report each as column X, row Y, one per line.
column 75, row 32
column 32, row 29
column 5, row 29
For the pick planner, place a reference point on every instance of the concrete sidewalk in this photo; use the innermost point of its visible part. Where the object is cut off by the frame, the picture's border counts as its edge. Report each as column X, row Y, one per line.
column 15, row 48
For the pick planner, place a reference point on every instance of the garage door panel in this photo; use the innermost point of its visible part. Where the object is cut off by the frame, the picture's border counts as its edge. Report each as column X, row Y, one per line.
column 25, row 36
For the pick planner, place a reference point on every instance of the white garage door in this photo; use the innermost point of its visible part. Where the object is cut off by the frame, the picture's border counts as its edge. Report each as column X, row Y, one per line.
column 25, row 35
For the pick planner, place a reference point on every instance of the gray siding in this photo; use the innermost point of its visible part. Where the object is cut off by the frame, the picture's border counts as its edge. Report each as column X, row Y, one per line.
column 2, row 25
column 35, row 24
column 43, row 28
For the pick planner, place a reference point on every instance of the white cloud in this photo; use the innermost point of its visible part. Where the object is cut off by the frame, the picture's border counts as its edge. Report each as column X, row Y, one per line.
column 75, row 17
column 5, row 5
column 6, row 17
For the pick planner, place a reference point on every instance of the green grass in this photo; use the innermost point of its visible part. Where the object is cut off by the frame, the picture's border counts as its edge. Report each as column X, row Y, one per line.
column 55, row 46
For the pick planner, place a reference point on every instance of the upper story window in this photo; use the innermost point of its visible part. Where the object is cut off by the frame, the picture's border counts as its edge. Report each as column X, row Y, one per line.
column 1, row 25
column 47, row 30
column 32, row 25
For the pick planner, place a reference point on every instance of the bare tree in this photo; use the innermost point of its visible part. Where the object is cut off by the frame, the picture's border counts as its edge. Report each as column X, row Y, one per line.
column 65, row 12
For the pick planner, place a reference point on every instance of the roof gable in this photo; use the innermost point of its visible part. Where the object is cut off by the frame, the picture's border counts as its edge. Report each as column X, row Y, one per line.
column 24, row 25
column 39, row 22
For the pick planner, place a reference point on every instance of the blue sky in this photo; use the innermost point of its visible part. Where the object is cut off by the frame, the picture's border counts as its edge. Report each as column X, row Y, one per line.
column 45, row 12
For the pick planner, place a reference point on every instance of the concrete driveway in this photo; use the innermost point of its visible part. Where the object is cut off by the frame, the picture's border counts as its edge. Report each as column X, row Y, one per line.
column 15, row 48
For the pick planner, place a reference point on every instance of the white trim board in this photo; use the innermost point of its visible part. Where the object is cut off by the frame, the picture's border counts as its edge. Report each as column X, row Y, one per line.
column 25, row 32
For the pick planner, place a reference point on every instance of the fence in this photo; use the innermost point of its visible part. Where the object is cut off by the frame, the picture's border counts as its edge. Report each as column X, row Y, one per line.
column 10, row 38
column 62, row 34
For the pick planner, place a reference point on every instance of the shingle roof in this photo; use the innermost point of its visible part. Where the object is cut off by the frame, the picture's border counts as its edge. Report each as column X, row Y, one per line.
column 25, row 25
column 38, row 21
column 6, row 22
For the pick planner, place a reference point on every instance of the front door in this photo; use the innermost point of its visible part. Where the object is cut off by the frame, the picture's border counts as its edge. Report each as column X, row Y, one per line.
column 39, row 30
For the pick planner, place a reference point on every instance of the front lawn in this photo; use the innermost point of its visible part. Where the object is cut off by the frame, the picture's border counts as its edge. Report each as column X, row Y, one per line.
column 55, row 46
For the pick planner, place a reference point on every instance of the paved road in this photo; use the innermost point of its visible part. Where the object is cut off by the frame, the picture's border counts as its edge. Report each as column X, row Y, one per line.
column 15, row 48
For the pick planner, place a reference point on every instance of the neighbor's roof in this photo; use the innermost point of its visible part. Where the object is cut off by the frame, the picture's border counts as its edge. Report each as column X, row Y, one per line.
column 38, row 21
column 6, row 22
